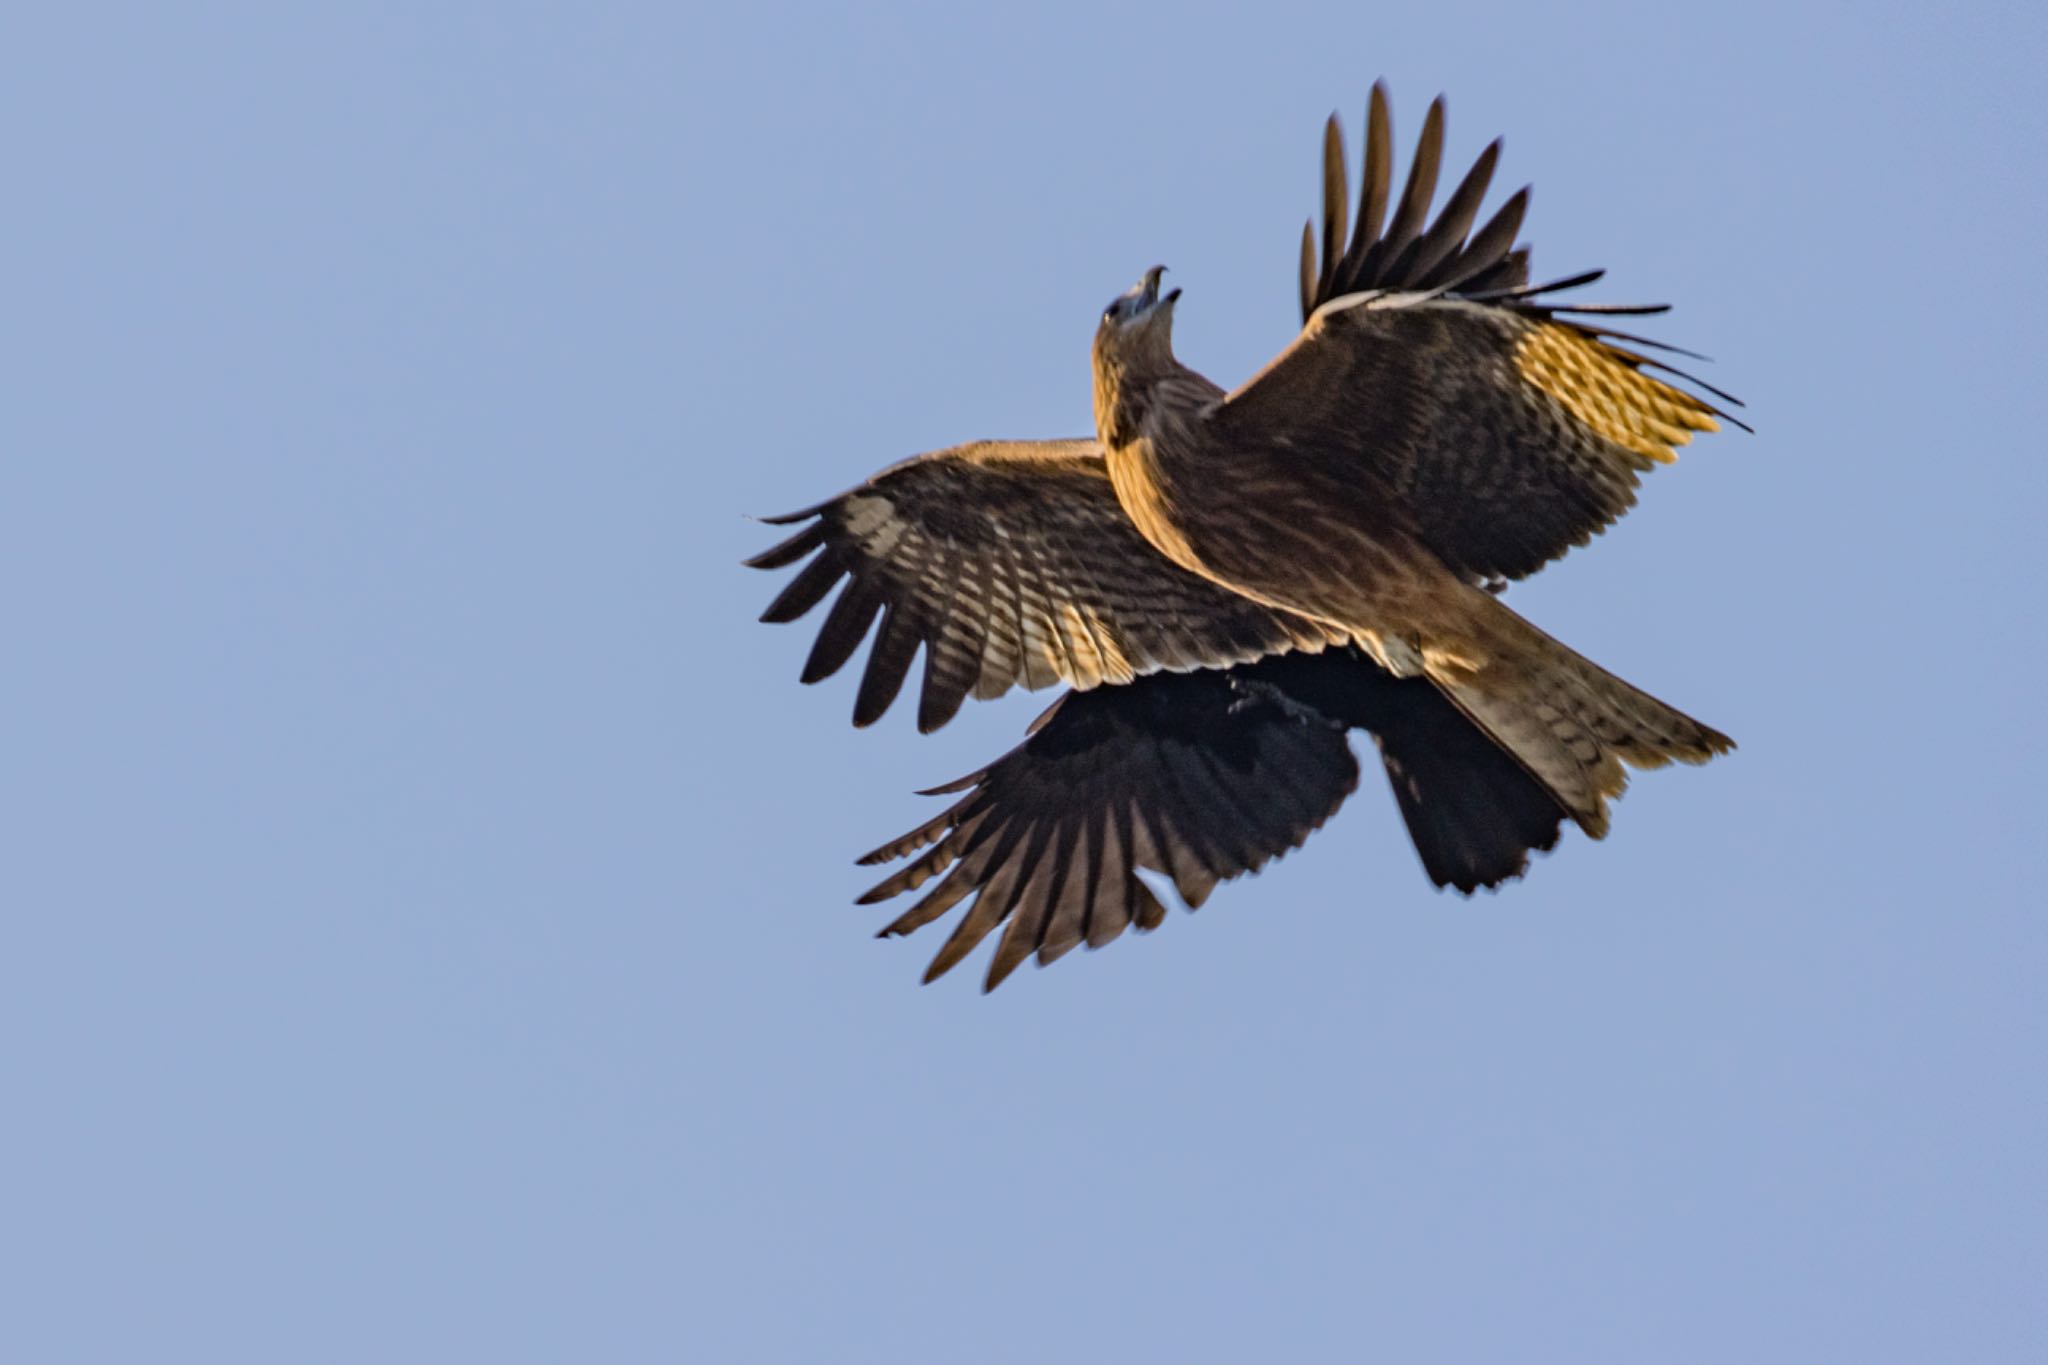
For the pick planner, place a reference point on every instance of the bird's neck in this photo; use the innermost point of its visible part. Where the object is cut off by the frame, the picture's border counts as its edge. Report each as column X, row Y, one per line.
column 1146, row 420
column 1135, row 393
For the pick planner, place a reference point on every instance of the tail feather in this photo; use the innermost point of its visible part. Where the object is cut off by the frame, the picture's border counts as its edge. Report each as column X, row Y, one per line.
column 1474, row 813
column 1567, row 720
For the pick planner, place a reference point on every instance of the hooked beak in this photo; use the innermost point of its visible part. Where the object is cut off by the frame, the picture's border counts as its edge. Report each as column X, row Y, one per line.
column 1144, row 295
column 1149, row 289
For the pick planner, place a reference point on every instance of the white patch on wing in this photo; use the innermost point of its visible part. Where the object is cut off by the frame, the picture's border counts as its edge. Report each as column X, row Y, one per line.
column 866, row 513
column 1373, row 299
column 1341, row 303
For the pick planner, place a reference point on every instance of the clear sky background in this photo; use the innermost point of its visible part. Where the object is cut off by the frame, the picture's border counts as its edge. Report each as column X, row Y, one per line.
column 426, row 888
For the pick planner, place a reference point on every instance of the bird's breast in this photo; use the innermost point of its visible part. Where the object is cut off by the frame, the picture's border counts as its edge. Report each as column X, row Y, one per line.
column 1149, row 502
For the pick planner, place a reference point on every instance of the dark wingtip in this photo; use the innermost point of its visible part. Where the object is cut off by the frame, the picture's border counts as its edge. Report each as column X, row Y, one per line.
column 1630, row 337
column 887, row 853
column 956, row 786
column 787, row 517
column 1310, row 277
column 1578, row 281
column 1624, row 310
column 786, row 552
column 767, row 559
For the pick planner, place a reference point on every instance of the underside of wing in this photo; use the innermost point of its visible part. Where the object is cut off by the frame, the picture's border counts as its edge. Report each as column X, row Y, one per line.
column 1517, row 425
column 1184, row 775
column 1009, row 564
column 1201, row 777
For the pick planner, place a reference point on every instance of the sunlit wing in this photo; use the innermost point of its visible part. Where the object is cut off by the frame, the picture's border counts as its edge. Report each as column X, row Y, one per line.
column 1009, row 563
column 1431, row 374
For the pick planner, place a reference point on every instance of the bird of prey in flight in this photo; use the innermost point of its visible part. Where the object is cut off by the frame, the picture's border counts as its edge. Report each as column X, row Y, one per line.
column 1229, row 582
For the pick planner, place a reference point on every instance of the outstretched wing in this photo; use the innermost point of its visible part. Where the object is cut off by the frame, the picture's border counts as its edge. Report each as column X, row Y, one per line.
column 1361, row 257
column 1201, row 777
column 1430, row 373
column 1180, row 774
column 1011, row 563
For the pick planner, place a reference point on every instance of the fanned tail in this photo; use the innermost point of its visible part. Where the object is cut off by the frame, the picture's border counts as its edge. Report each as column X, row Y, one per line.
column 1568, row 721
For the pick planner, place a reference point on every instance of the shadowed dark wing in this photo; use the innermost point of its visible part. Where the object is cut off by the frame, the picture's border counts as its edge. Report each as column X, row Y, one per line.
column 1161, row 775
column 1011, row 563
column 1430, row 373
column 1201, row 777
column 1474, row 813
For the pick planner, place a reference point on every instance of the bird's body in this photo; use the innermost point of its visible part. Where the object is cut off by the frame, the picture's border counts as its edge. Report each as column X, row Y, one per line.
column 1231, row 580
column 1276, row 493
column 1243, row 515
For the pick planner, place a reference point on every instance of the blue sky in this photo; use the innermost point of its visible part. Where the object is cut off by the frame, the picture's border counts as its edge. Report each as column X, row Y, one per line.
column 428, row 888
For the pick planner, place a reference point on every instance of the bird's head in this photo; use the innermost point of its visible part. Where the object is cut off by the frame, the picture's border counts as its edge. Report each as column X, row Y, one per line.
column 1137, row 327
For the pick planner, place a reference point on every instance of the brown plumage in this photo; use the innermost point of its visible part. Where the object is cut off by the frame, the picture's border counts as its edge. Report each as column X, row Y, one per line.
column 1232, row 581
column 1010, row 563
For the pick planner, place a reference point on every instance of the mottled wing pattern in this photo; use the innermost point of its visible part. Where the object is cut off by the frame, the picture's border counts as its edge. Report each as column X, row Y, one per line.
column 1011, row 564
column 1202, row 777
column 1186, row 775
column 1429, row 369
column 1502, row 440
